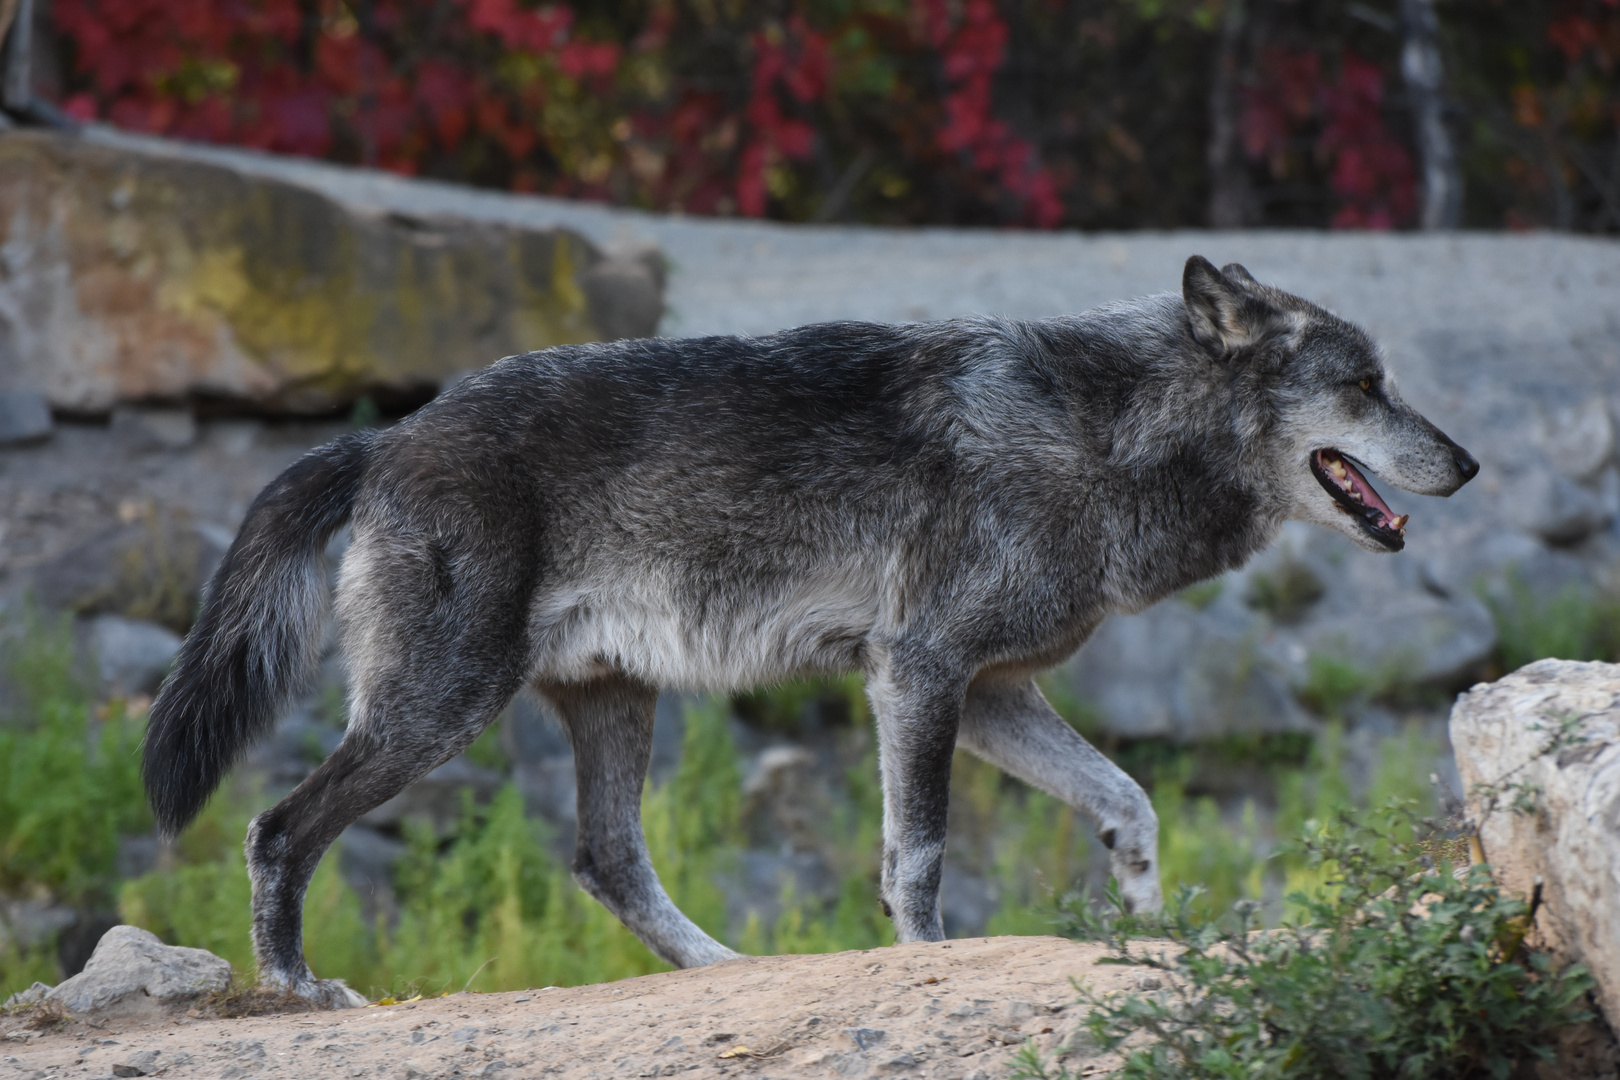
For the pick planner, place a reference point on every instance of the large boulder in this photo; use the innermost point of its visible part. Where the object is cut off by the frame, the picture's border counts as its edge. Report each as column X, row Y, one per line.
column 140, row 269
column 133, row 971
column 1539, row 755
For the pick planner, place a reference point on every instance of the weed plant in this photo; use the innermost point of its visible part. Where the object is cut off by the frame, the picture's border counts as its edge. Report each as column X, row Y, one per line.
column 1395, row 967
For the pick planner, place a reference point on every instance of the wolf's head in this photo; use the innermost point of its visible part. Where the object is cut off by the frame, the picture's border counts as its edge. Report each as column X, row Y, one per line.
column 1333, row 409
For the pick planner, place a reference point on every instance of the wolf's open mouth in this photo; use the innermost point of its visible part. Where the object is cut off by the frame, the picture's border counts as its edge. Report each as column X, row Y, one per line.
column 1357, row 498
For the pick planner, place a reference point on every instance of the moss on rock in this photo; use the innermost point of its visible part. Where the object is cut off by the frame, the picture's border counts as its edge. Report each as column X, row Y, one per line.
column 131, row 276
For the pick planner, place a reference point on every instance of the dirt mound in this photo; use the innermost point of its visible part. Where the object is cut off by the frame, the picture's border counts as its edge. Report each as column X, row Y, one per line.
column 956, row 1009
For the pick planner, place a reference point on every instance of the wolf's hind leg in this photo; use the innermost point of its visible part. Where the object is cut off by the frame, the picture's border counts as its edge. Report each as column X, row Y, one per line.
column 286, row 842
column 1011, row 725
column 434, row 661
column 610, row 724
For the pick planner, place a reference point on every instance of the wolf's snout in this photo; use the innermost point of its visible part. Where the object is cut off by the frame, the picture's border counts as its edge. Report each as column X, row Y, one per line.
column 1467, row 464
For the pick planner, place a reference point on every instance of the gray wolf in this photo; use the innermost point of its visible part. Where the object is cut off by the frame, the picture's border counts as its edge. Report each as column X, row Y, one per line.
column 947, row 508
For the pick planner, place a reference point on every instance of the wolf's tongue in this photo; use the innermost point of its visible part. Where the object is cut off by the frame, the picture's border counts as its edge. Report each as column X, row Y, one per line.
column 1351, row 481
column 1369, row 497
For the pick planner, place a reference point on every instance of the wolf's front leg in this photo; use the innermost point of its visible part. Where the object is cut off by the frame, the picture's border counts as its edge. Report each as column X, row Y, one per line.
column 1011, row 725
column 918, row 708
column 610, row 724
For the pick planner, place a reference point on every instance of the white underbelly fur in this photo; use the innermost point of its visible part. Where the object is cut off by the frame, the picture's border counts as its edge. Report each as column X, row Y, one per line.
column 636, row 627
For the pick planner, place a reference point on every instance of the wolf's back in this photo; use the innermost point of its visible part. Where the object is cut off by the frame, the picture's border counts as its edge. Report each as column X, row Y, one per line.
column 256, row 639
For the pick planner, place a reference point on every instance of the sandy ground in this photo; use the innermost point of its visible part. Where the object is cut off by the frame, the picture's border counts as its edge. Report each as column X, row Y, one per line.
column 956, row 1009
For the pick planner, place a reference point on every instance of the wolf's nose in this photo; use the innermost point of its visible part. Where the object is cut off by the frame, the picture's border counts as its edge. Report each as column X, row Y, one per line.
column 1466, row 464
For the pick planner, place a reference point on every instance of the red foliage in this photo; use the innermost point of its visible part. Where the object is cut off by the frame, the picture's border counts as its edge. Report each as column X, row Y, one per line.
column 759, row 109
column 1370, row 171
column 797, row 64
column 972, row 52
column 399, row 85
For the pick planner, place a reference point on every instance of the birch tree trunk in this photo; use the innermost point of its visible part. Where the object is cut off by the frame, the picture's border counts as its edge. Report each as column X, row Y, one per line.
column 1441, row 206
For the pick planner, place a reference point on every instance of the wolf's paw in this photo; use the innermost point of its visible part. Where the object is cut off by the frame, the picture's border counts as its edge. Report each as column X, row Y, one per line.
column 319, row 993
column 330, row 994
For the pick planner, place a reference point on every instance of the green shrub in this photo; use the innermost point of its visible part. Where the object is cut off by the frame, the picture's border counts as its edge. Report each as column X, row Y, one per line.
column 1398, row 969
column 1573, row 624
column 69, row 774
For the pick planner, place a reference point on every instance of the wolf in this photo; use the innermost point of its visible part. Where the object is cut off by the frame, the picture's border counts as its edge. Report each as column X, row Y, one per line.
column 947, row 508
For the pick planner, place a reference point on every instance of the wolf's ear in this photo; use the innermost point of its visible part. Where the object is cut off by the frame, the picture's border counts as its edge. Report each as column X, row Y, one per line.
column 1238, row 273
column 1225, row 316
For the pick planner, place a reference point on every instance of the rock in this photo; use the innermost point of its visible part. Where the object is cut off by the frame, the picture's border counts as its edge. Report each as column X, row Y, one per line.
column 1539, row 756
column 131, row 970
column 367, row 859
column 785, row 800
column 151, row 566
column 27, row 923
column 626, row 292
column 1557, row 509
column 148, row 1063
column 1180, row 672
column 131, row 656
column 154, row 429
column 864, row 1038
column 1494, row 561
column 25, row 417
column 754, row 886
column 31, row 996
column 550, row 789
column 1579, row 439
column 145, row 270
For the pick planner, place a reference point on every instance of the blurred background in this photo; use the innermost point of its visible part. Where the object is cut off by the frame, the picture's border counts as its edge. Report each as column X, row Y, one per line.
column 233, row 229
column 1107, row 114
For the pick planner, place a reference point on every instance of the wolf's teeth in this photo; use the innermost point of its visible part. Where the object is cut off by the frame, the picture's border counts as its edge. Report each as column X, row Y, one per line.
column 1399, row 522
column 1337, row 469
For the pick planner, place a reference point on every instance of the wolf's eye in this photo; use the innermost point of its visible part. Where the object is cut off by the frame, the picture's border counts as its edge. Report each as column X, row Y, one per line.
column 1366, row 384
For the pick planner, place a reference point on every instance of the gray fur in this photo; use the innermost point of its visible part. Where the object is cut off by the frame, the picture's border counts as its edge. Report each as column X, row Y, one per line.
column 948, row 508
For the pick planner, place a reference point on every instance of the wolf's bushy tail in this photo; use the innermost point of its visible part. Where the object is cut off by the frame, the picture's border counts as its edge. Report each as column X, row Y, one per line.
column 257, row 638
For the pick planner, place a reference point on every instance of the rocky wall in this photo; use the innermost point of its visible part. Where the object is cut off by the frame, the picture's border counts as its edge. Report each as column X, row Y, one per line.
column 140, row 270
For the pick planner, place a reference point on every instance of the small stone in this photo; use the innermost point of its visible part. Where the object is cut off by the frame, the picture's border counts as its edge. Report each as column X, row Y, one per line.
column 31, row 996
column 131, row 966
column 25, row 417
column 865, row 1038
